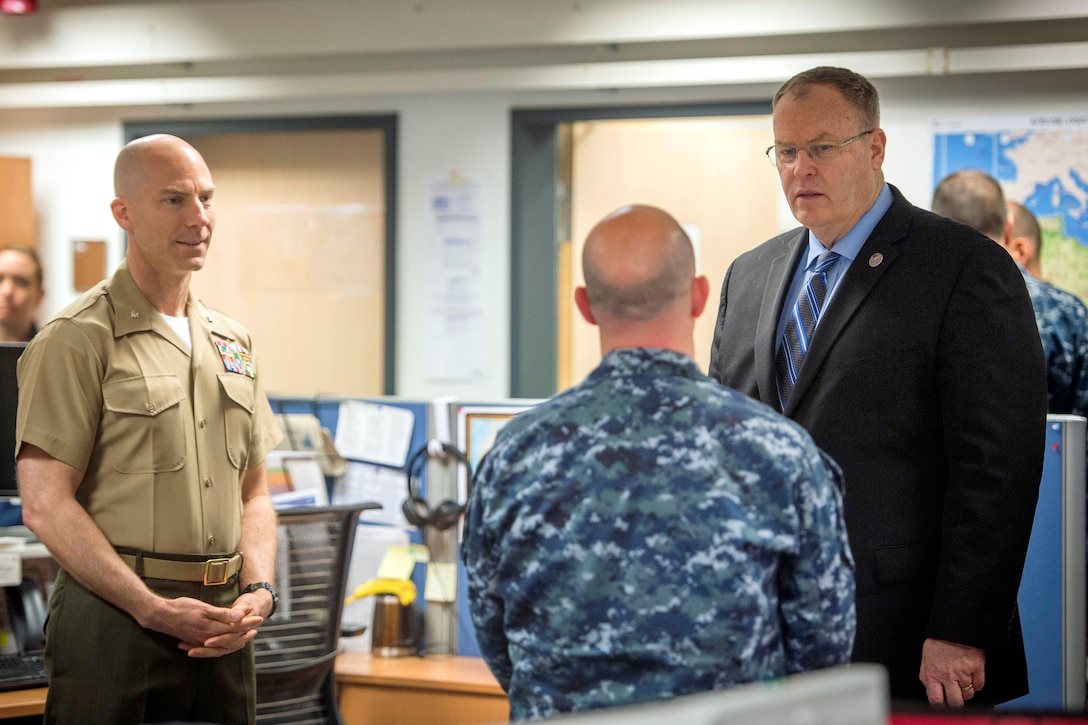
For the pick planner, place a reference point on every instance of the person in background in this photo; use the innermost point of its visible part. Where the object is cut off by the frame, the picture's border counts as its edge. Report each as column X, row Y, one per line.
column 1026, row 246
column 975, row 198
column 905, row 344
column 141, row 436
column 648, row 533
column 21, row 292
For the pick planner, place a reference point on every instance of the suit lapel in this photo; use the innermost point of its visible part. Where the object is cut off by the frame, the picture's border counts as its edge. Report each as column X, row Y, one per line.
column 779, row 276
column 875, row 257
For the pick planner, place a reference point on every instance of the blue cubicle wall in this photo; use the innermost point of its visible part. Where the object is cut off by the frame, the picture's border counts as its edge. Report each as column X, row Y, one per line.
column 1052, row 591
column 327, row 409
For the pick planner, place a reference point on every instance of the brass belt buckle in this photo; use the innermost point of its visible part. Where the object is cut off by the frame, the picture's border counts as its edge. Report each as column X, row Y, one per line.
column 215, row 572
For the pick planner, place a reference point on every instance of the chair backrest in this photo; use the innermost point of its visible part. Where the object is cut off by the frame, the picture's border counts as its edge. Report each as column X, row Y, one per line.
column 312, row 559
column 295, row 650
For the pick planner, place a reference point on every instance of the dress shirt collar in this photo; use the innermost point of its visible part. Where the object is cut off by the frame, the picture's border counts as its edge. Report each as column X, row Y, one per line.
column 852, row 241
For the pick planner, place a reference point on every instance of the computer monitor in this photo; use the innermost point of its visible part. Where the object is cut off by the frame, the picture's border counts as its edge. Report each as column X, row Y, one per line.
column 9, row 403
column 478, row 423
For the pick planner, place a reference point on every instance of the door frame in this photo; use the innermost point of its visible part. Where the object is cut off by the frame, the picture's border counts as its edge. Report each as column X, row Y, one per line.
column 535, row 221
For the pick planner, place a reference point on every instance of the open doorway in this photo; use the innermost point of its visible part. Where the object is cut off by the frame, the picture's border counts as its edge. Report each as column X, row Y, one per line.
column 703, row 164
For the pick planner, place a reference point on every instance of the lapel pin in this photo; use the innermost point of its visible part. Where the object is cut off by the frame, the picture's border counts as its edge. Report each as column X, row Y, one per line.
column 876, row 259
column 134, row 314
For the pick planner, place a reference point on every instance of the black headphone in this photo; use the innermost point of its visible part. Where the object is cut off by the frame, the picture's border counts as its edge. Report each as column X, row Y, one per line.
column 416, row 510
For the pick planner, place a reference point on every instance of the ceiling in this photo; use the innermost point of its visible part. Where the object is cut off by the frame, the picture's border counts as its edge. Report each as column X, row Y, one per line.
column 74, row 53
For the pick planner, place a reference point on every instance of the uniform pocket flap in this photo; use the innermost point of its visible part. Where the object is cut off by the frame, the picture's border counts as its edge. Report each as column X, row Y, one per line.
column 238, row 388
column 148, row 395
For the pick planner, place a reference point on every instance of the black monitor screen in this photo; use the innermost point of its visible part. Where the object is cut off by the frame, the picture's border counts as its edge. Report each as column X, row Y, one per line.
column 9, row 401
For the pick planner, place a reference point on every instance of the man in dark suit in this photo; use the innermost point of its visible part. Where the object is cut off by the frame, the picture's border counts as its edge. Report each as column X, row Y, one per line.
column 924, row 378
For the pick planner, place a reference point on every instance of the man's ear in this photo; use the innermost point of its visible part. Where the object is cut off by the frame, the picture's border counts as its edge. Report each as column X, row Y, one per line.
column 700, row 293
column 581, row 298
column 1020, row 249
column 119, row 207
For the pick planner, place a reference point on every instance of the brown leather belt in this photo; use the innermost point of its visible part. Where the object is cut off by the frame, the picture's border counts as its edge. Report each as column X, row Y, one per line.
column 211, row 572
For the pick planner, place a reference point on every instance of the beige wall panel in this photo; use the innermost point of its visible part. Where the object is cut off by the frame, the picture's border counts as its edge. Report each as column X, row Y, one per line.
column 709, row 173
column 17, row 221
column 298, row 254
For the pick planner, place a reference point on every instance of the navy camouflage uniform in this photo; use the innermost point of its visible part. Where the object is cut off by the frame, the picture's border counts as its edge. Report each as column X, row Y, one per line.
column 1063, row 327
column 650, row 533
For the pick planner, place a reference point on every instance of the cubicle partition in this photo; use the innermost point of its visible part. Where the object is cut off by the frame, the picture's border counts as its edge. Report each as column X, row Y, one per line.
column 1052, row 591
column 377, row 439
column 371, row 440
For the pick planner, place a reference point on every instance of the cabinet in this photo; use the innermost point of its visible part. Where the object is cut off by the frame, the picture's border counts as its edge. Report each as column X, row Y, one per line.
column 17, row 223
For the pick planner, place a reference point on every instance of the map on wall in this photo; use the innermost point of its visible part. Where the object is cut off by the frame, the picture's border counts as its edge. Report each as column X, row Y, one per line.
column 1041, row 161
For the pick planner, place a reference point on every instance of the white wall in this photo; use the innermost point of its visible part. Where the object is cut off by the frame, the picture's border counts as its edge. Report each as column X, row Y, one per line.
column 73, row 151
column 72, row 176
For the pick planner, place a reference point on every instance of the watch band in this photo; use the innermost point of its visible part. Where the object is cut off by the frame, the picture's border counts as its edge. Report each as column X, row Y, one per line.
column 271, row 590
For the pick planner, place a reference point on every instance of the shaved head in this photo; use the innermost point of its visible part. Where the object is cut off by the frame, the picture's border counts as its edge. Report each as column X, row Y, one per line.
column 146, row 154
column 637, row 261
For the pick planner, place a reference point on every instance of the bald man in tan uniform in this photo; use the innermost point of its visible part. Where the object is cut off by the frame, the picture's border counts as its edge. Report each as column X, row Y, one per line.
column 142, row 431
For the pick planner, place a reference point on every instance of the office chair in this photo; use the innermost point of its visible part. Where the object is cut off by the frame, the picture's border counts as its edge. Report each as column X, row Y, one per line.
column 295, row 650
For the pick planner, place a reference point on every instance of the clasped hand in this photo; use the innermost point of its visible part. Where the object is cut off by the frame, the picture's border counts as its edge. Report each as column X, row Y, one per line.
column 204, row 630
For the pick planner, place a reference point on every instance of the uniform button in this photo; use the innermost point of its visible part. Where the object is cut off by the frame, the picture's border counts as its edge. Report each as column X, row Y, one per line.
column 203, row 423
column 211, row 541
column 150, row 407
column 251, row 407
column 207, row 482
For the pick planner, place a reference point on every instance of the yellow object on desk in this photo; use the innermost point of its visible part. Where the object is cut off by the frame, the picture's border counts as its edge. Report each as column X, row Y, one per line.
column 404, row 590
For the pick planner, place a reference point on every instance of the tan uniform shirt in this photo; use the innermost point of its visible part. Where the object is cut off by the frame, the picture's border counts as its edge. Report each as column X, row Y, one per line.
column 163, row 435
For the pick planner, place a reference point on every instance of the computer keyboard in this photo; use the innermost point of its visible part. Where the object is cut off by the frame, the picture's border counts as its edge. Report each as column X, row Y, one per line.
column 19, row 531
column 22, row 671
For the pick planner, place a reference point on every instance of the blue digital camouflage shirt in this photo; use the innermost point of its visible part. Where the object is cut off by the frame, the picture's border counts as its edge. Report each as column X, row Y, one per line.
column 1063, row 327
column 650, row 533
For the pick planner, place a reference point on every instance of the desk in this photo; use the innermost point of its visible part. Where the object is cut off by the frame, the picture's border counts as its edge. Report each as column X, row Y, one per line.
column 21, row 703
column 388, row 690
column 418, row 691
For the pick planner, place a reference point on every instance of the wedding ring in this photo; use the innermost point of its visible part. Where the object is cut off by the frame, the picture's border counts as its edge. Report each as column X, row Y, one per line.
column 968, row 687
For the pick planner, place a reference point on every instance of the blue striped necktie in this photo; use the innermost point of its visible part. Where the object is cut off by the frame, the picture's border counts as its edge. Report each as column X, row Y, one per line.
column 800, row 326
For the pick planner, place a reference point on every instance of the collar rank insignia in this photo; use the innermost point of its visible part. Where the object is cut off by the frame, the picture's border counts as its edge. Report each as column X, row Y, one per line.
column 236, row 358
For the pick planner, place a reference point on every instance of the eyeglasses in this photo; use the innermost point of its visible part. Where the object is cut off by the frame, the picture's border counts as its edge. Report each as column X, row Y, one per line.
column 785, row 156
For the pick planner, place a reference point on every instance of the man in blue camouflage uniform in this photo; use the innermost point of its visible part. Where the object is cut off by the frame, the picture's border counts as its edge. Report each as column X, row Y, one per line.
column 976, row 198
column 650, row 533
column 1061, row 316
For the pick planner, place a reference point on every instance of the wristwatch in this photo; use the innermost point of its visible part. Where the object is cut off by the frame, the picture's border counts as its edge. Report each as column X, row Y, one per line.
column 271, row 590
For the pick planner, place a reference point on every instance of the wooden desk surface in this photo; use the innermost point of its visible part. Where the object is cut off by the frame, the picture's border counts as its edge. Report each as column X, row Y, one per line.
column 20, row 703
column 418, row 691
column 450, row 673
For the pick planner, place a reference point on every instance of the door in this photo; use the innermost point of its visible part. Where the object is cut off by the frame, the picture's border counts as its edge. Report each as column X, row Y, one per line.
column 298, row 254
column 709, row 173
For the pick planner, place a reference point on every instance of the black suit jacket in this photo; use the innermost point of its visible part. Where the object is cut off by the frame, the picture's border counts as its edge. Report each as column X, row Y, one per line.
column 925, row 381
